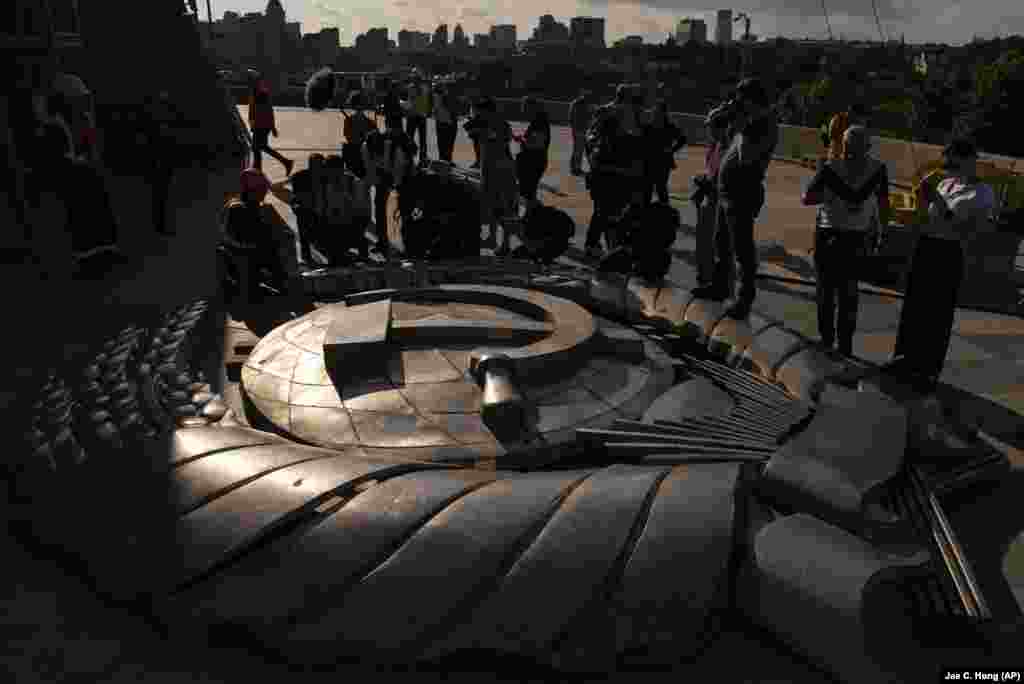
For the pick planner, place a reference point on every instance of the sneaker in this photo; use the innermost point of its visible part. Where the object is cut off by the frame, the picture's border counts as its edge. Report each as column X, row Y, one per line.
column 711, row 293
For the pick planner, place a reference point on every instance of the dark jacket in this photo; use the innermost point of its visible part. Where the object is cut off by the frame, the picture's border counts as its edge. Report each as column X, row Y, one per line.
column 664, row 142
column 736, row 177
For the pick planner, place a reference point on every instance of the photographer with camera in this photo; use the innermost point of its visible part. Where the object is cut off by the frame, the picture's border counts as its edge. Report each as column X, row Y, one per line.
column 853, row 193
column 741, row 194
column 616, row 149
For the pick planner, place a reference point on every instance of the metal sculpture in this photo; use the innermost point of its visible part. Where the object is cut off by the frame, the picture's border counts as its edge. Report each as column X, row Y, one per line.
column 535, row 498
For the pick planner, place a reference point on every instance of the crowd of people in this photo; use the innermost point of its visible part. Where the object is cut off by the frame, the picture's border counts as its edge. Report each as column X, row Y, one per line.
column 629, row 151
column 624, row 149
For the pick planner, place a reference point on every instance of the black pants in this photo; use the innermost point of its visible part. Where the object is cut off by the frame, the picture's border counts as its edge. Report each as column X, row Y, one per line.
column 611, row 194
column 929, row 307
column 657, row 181
column 734, row 240
column 251, row 262
column 530, row 169
column 446, row 134
column 837, row 255
column 338, row 238
column 306, row 220
column 351, row 154
column 417, row 126
column 380, row 211
column 708, row 214
column 261, row 144
column 160, row 178
column 579, row 137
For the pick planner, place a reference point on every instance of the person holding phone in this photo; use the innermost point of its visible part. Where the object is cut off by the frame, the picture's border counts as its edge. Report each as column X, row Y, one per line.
column 853, row 196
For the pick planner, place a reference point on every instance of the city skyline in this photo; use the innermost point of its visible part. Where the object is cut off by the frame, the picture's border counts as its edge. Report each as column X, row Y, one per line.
column 951, row 22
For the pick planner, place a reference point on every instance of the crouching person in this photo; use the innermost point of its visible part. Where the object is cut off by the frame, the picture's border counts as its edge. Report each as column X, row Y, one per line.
column 546, row 234
column 257, row 237
column 346, row 213
column 648, row 232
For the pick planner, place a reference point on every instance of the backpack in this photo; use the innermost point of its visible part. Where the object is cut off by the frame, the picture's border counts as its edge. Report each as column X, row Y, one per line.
column 652, row 228
column 448, row 226
column 552, row 228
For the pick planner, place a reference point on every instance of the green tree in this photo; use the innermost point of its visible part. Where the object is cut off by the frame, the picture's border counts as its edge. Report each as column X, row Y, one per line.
column 997, row 105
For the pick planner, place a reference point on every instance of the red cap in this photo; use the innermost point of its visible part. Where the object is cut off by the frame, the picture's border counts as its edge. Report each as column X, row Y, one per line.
column 253, row 180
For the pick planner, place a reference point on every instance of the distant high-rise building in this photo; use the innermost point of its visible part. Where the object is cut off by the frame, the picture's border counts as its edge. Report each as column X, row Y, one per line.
column 321, row 49
column 587, row 32
column 374, row 41
column 691, row 31
column 503, row 37
column 459, row 39
column 440, row 41
column 263, row 41
column 723, row 31
column 550, row 31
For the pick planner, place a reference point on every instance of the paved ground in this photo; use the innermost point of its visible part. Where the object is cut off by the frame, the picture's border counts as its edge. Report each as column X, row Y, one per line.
column 54, row 630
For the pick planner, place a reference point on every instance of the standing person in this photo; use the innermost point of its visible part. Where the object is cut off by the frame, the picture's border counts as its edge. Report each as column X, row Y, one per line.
column 305, row 205
column 616, row 177
column 391, row 108
column 741, row 195
column 665, row 139
column 497, row 169
column 355, row 129
column 420, row 108
column 262, row 124
column 579, row 119
column 959, row 207
column 854, row 115
column 532, row 160
column 706, row 196
column 446, row 119
column 388, row 157
column 162, row 118
column 853, row 193
column 474, row 128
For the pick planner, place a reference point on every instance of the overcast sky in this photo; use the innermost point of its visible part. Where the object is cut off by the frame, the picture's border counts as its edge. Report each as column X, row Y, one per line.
column 945, row 21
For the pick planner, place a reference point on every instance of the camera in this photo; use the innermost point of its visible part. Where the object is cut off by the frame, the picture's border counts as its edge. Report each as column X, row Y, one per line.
column 724, row 115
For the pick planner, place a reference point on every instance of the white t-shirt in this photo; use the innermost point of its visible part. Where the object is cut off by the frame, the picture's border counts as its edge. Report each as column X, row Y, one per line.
column 962, row 199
